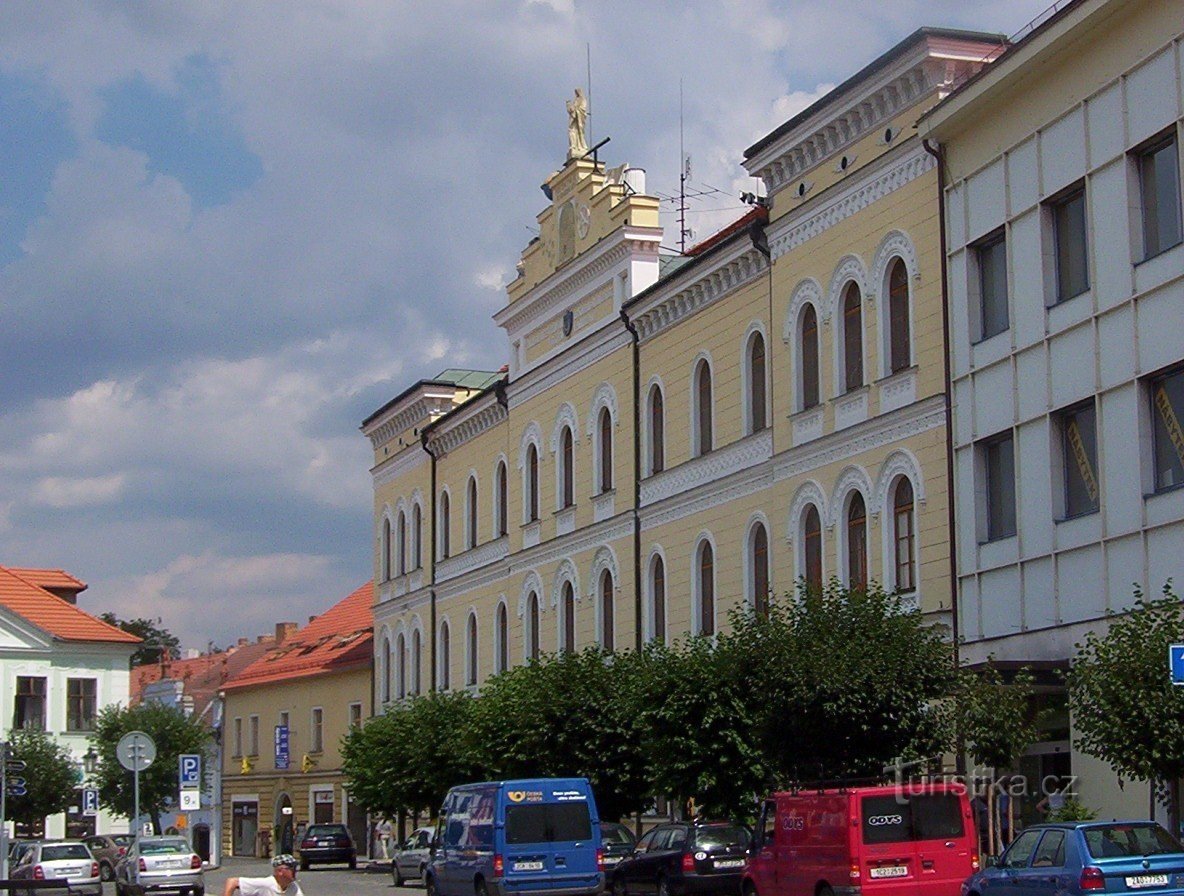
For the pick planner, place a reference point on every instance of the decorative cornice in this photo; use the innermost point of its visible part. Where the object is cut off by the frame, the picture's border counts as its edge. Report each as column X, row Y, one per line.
column 885, row 429
column 792, row 231
column 467, row 426
column 708, row 468
column 714, row 494
column 394, row 467
column 548, row 375
column 427, row 406
column 665, row 309
column 580, row 540
column 473, row 558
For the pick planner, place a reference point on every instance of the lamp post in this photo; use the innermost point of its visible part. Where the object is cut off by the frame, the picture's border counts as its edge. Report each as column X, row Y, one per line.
column 90, row 762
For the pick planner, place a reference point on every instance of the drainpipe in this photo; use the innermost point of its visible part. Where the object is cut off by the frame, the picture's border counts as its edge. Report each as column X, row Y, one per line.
column 637, row 609
column 423, row 441
column 939, row 154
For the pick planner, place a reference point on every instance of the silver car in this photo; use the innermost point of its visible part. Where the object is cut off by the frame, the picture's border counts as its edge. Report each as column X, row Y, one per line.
column 413, row 856
column 160, row 864
column 56, row 859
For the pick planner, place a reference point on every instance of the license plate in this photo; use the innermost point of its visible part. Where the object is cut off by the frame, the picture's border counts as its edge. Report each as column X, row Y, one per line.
column 729, row 863
column 890, row 871
column 612, row 860
column 528, row 866
column 1147, row 880
column 171, row 863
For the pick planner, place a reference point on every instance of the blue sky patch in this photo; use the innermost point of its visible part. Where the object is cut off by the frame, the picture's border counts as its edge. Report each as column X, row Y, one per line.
column 34, row 139
column 188, row 135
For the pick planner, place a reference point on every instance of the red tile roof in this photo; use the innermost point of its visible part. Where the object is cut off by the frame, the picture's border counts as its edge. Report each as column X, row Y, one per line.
column 336, row 641
column 203, row 676
column 49, row 579
column 58, row 617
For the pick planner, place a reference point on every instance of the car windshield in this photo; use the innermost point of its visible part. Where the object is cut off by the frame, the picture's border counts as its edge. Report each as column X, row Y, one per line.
column 64, row 851
column 1116, row 840
column 325, row 830
column 615, row 833
column 164, row 848
column 707, row 836
column 121, row 839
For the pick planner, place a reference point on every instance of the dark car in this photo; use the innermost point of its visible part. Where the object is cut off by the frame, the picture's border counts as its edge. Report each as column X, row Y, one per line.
column 616, row 842
column 685, row 858
column 108, row 849
column 326, row 843
column 1085, row 857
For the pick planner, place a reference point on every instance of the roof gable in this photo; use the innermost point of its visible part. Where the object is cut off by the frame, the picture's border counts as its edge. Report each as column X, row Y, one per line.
column 59, row 618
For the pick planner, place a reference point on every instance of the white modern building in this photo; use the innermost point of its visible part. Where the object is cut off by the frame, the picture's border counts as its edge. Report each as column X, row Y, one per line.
column 1065, row 283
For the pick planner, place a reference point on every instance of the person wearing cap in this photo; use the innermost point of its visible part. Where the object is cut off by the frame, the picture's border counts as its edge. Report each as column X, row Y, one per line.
column 281, row 883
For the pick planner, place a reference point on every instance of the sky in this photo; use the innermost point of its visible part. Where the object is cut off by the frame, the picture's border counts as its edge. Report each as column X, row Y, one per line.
column 229, row 231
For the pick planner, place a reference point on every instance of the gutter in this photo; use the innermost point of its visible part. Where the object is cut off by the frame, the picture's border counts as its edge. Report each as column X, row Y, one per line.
column 423, row 441
column 637, row 604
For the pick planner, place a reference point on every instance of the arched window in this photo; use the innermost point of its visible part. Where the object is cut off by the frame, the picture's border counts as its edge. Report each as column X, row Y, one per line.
column 401, row 667
column 384, row 670
column 416, row 661
column 445, row 657
column 417, row 536
column 568, row 610
column 904, row 535
column 471, row 514
column 658, row 591
column 567, row 468
column 604, row 429
column 532, row 483
column 756, row 383
column 812, row 548
column 607, row 626
column 445, row 512
column 809, row 357
column 857, row 542
column 471, row 651
column 703, row 409
column 759, row 563
column 706, row 583
column 852, row 338
column 401, row 544
column 503, row 517
column 898, row 316
column 502, row 643
column 532, row 626
column 657, row 431
column 386, row 549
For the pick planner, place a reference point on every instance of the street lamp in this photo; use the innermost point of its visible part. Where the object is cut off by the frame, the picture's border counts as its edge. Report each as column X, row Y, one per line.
column 90, row 762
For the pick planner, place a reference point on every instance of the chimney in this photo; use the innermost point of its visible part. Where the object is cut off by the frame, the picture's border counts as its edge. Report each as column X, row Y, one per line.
column 283, row 630
column 312, row 618
column 242, row 642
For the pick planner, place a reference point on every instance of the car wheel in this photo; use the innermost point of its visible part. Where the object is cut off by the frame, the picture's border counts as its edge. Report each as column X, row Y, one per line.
column 353, row 862
column 825, row 890
column 483, row 887
column 106, row 872
column 304, row 864
column 430, row 886
column 199, row 891
column 749, row 888
column 619, row 888
column 423, row 871
column 664, row 887
column 396, row 874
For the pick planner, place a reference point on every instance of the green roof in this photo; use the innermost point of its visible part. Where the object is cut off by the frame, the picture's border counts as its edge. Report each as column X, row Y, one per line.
column 468, row 379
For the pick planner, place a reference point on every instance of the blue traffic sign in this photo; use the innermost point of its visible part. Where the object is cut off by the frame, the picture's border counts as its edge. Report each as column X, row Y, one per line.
column 190, row 770
column 1176, row 663
column 282, row 754
column 90, row 801
column 16, row 789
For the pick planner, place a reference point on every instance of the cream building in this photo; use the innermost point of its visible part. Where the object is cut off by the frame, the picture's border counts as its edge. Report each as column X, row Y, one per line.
column 1063, row 209
column 675, row 438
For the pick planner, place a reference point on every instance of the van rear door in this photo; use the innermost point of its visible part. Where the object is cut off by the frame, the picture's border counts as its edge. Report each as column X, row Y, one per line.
column 547, row 842
column 945, row 840
column 888, row 861
column 918, row 844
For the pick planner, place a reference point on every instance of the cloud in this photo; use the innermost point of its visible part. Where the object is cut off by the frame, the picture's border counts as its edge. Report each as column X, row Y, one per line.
column 61, row 492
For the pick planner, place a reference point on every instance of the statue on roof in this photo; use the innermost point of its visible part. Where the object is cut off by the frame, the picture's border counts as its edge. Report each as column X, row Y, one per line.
column 577, row 125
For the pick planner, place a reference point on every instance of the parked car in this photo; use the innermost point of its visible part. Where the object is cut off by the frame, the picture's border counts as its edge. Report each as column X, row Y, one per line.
column 616, row 842
column 413, row 855
column 108, row 849
column 891, row 840
column 325, row 843
column 52, row 859
column 16, row 849
column 157, row 865
column 684, row 858
column 1085, row 857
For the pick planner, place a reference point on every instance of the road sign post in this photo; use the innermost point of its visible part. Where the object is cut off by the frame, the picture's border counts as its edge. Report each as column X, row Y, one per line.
column 136, row 750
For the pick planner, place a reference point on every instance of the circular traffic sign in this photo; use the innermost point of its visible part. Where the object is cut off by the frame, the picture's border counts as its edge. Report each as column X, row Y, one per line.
column 136, row 750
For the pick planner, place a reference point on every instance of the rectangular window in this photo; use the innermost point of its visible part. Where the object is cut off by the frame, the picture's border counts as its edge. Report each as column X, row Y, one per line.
column 81, row 703
column 990, row 255
column 316, row 742
column 999, row 467
column 253, row 736
column 238, row 738
column 1159, row 188
column 1079, row 454
column 1067, row 212
column 355, row 715
column 284, row 720
column 30, row 703
column 1167, row 411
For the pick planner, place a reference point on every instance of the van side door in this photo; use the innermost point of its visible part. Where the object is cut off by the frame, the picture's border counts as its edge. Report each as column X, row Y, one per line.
column 763, row 864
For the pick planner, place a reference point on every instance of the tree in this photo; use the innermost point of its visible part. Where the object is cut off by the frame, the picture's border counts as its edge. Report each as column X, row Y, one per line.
column 50, row 776
column 173, row 732
column 156, row 638
column 1124, row 706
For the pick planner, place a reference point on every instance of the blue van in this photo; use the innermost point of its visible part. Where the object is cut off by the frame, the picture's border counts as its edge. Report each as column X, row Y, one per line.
column 533, row 837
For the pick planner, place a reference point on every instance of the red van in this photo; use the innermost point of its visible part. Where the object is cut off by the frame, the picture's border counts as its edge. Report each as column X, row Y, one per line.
column 897, row 840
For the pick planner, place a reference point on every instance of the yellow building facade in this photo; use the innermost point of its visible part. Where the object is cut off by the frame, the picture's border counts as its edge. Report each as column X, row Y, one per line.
column 674, row 438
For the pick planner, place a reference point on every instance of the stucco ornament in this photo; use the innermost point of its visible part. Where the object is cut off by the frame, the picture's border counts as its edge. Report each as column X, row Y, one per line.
column 577, row 125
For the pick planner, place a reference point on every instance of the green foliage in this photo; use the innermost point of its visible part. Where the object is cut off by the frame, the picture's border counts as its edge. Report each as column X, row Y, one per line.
column 407, row 759
column 1125, row 708
column 993, row 716
column 1073, row 810
column 50, row 776
column 156, row 638
column 171, row 730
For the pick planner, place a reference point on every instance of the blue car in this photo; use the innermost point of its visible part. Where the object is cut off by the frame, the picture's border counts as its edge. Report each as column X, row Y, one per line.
column 1088, row 858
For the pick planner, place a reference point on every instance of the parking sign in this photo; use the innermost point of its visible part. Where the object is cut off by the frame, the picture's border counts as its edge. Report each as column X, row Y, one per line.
column 190, row 770
column 90, row 801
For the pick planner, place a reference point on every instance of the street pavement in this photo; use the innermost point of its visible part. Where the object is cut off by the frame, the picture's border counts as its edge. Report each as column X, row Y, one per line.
column 319, row 880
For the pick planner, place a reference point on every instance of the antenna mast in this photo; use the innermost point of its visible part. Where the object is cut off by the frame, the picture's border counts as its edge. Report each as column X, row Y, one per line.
column 684, row 174
column 588, row 48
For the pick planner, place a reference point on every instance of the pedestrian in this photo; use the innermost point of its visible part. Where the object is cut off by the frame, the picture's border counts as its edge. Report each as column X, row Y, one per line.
column 281, row 883
column 384, row 837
